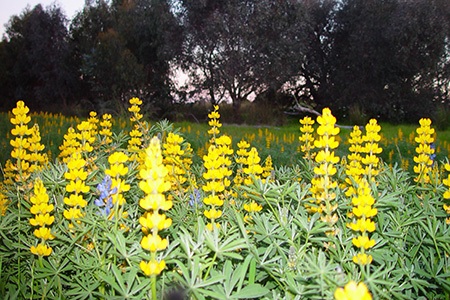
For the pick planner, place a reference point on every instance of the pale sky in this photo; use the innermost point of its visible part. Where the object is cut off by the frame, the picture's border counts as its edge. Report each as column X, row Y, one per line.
column 15, row 7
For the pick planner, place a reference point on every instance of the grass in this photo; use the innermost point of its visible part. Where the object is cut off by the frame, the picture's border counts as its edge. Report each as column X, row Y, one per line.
column 280, row 142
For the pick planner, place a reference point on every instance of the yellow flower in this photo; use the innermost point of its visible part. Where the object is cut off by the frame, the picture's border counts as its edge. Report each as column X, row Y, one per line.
column 118, row 158
column 3, row 204
column 72, row 213
column 41, row 250
column 446, row 194
column 21, row 130
column 326, row 156
column 40, row 195
column 153, row 173
column 363, row 242
column 75, row 200
column 447, row 167
column 323, row 184
column 42, row 220
column 152, row 267
column 353, row 291
column 70, row 145
column 213, row 214
column 20, row 142
column 20, row 113
column 424, row 151
column 214, row 122
column 267, row 168
column 20, row 153
column 216, row 163
column 77, row 186
column 135, row 101
column 213, row 200
column 76, row 162
column 364, row 210
column 73, row 174
column 153, row 243
column 155, row 221
column 371, row 149
column 210, row 226
column 177, row 159
column 41, row 208
column 155, row 201
column 363, row 225
column 115, row 171
column 253, row 207
column 43, row 233
column 362, row 259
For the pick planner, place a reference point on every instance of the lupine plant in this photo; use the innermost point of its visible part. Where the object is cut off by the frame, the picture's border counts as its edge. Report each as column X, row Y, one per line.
column 135, row 213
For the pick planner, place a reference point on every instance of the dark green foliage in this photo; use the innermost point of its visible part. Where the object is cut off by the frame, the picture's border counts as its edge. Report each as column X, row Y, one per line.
column 386, row 57
column 34, row 59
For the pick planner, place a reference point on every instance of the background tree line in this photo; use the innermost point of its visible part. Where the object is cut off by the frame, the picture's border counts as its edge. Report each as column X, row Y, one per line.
column 388, row 59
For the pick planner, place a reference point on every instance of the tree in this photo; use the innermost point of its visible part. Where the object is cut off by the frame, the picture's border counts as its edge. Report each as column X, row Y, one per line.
column 85, row 28
column 311, row 59
column 152, row 34
column 125, row 48
column 36, row 50
column 239, row 48
column 385, row 56
column 111, row 70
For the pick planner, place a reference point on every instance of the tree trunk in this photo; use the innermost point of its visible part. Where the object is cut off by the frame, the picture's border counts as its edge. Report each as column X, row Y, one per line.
column 236, row 104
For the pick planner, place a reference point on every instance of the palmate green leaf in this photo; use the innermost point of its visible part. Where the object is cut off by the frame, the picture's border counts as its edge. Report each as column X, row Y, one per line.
column 227, row 247
column 120, row 280
column 294, row 285
column 250, row 292
column 242, row 271
column 215, row 293
column 83, row 286
column 52, row 267
column 110, row 280
column 54, row 274
column 119, row 242
column 191, row 273
column 229, row 284
column 127, row 284
column 11, row 294
column 235, row 276
column 210, row 281
column 184, row 278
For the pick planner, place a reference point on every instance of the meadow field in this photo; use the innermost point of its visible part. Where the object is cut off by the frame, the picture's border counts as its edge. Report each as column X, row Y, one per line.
column 122, row 208
column 281, row 142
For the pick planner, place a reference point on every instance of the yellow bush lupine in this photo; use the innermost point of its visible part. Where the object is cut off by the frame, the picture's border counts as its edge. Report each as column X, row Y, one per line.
column 371, row 150
column 76, row 188
column 446, row 182
column 364, row 212
column 307, row 138
column 323, row 185
column 424, row 151
column 41, row 210
column 153, row 174
column 20, row 156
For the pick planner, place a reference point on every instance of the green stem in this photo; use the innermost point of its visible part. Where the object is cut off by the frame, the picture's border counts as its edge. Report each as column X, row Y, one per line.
column 210, row 266
column 19, row 205
column 153, row 279
column 153, row 287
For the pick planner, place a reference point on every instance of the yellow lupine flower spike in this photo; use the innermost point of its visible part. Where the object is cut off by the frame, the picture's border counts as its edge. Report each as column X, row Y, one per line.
column 153, row 174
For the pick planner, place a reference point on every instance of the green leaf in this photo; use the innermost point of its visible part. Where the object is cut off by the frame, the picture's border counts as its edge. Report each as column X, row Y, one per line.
column 251, row 291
